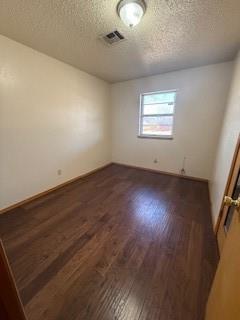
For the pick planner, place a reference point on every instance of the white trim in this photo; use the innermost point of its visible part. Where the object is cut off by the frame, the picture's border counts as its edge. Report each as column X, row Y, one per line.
column 149, row 104
column 152, row 136
column 158, row 114
column 159, row 91
column 141, row 115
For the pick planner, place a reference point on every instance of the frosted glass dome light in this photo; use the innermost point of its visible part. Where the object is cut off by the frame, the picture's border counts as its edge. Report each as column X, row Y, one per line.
column 131, row 11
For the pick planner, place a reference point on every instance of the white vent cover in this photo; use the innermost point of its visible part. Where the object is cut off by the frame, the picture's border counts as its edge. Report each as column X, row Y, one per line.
column 113, row 38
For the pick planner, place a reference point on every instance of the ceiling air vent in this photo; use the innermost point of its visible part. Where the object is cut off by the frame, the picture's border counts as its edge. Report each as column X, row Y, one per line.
column 113, row 37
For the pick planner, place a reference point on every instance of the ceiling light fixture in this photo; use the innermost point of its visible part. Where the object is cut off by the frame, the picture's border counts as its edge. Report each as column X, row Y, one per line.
column 131, row 11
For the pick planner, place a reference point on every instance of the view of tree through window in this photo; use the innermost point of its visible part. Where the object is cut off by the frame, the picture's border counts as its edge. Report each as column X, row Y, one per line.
column 156, row 115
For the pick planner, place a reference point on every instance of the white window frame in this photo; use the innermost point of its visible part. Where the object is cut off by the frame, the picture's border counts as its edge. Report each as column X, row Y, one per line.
column 141, row 115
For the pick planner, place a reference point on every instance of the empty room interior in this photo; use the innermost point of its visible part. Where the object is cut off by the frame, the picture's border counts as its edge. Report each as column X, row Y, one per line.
column 120, row 160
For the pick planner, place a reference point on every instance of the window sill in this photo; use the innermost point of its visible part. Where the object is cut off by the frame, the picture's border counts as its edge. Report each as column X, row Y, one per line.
column 155, row 137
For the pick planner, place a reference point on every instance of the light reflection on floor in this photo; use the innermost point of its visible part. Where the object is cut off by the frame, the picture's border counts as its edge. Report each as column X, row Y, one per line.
column 150, row 210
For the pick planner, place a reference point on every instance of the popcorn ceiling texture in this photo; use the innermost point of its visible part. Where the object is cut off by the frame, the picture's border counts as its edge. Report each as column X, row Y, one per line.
column 174, row 34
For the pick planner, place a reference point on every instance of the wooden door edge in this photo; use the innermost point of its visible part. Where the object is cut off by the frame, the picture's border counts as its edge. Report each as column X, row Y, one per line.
column 12, row 284
column 235, row 154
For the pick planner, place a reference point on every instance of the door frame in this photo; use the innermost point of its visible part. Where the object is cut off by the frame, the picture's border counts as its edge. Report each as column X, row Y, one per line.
column 228, row 186
column 11, row 307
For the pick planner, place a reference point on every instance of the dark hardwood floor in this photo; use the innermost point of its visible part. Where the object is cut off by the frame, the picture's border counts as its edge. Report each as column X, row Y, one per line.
column 121, row 244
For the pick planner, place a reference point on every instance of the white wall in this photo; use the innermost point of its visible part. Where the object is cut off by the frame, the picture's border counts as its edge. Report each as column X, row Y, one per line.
column 52, row 116
column 202, row 95
column 227, row 142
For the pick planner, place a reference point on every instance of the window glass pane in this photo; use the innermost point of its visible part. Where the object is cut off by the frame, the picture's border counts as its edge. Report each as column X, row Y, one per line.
column 158, row 108
column 161, row 126
column 159, row 97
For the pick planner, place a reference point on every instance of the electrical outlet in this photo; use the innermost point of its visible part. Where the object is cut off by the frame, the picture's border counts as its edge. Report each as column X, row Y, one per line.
column 59, row 172
column 155, row 161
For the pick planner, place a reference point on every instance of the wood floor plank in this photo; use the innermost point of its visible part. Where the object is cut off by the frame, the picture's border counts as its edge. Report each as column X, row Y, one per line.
column 121, row 244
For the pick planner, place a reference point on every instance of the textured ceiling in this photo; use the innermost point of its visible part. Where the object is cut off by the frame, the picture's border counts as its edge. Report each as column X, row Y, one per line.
column 173, row 34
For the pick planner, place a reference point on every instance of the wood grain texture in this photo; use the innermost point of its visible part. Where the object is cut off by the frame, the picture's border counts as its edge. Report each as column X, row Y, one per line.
column 162, row 172
column 11, row 307
column 43, row 193
column 121, row 243
column 223, row 302
column 228, row 190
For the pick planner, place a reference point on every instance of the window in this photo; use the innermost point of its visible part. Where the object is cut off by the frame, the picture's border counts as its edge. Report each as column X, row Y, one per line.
column 156, row 114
